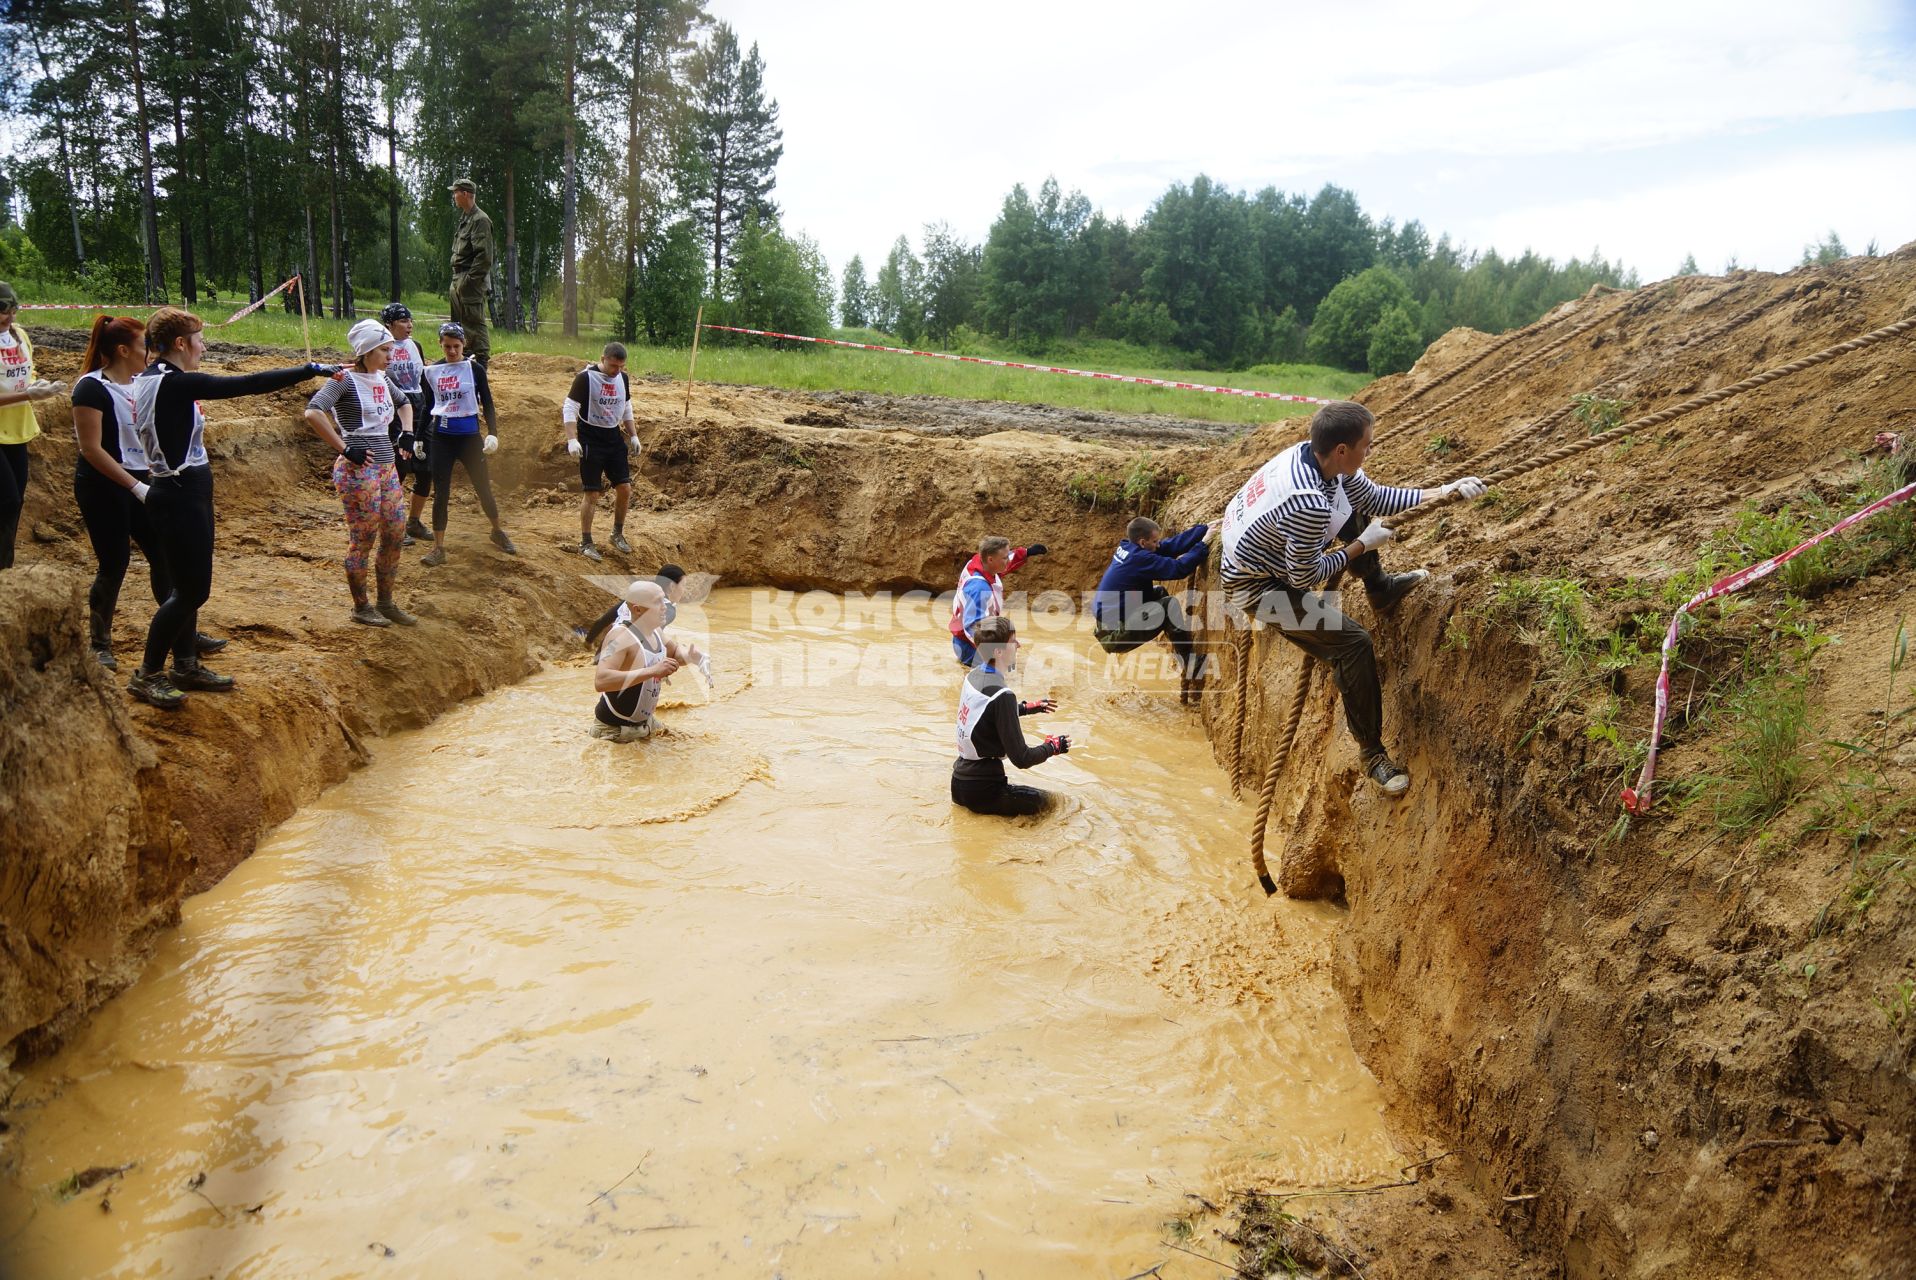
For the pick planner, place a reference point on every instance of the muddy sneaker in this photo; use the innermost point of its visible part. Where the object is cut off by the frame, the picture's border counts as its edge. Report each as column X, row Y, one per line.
column 619, row 543
column 501, row 541
column 407, row 540
column 434, row 558
column 1390, row 777
column 1387, row 591
column 370, row 616
column 416, row 529
column 107, row 659
column 204, row 644
column 396, row 615
column 590, row 552
column 155, row 690
column 198, row 678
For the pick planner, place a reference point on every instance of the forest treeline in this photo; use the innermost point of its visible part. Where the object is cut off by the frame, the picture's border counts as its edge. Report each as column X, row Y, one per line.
column 622, row 149
column 1230, row 278
column 628, row 155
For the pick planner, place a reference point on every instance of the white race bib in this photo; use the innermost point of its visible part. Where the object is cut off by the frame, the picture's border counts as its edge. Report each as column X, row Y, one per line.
column 971, row 711
column 376, row 406
column 123, row 426
column 16, row 371
column 454, row 393
column 607, row 401
column 407, row 365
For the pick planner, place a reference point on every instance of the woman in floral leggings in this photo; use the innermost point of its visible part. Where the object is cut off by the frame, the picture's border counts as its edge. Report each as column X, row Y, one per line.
column 361, row 404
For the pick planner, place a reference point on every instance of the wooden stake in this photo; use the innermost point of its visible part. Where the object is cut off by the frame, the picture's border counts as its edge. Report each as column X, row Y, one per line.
column 305, row 330
column 698, row 325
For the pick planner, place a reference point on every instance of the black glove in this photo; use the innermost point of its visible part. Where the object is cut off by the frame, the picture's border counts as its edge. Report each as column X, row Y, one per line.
column 356, row 455
column 1037, row 707
column 1037, row 549
column 1059, row 745
column 407, row 443
column 318, row 370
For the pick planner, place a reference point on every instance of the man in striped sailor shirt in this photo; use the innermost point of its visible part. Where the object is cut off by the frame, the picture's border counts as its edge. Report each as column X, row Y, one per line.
column 1277, row 535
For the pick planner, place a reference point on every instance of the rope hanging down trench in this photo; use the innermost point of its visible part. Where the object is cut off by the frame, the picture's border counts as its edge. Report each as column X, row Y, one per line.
column 1269, row 792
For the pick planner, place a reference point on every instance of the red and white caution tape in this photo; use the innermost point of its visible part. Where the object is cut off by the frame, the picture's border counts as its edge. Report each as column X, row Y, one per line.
column 1035, row 368
column 1636, row 800
column 84, row 306
column 251, row 307
column 243, row 312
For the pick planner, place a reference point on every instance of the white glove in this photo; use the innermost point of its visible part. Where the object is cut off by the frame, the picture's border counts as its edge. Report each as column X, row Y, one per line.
column 491, row 445
column 632, row 442
column 41, row 389
column 1468, row 487
column 1376, row 535
column 705, row 669
column 140, row 489
column 574, row 448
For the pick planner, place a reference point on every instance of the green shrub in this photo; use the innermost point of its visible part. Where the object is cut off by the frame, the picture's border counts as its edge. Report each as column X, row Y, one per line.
column 1598, row 413
column 1394, row 343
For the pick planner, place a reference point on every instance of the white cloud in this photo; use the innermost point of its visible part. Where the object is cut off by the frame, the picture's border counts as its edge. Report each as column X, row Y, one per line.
column 896, row 115
column 1800, row 197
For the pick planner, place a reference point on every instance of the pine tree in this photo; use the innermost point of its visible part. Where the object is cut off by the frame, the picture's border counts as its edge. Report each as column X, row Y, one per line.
column 734, row 143
column 953, row 280
column 660, row 36
column 855, row 300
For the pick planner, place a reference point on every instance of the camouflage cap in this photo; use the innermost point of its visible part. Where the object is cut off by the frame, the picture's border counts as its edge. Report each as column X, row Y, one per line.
column 464, row 184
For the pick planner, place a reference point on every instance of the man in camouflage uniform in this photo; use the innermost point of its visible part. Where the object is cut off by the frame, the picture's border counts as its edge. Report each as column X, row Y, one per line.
column 471, row 269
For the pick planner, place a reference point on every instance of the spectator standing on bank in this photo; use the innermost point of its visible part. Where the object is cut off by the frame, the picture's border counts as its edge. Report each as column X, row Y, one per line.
column 472, row 259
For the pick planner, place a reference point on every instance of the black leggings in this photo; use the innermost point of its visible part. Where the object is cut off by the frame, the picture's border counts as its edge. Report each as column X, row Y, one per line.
column 13, row 497
column 998, row 798
column 181, row 510
column 116, row 521
column 469, row 451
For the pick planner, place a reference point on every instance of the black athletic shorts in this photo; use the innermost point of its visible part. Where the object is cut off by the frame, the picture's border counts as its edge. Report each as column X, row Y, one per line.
column 604, row 466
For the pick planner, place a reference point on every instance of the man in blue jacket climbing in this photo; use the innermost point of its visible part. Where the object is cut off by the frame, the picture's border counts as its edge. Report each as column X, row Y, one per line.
column 1130, row 609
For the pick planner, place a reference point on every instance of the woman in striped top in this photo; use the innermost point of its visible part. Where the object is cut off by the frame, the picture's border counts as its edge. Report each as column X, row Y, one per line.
column 362, row 404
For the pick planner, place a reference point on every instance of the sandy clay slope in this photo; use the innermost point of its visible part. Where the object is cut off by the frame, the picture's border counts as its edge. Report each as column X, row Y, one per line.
column 1612, row 1039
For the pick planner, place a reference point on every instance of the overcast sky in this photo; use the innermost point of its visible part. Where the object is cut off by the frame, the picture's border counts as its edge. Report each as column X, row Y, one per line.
column 1645, row 129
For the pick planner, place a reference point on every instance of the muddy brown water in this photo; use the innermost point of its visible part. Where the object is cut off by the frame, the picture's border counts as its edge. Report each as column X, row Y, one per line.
column 748, row 999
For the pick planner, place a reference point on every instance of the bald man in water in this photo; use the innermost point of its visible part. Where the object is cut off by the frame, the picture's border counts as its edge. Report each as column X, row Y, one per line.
column 634, row 664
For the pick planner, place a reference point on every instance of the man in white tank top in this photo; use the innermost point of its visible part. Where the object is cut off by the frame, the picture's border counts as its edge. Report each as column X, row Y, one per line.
column 634, row 664
column 599, row 431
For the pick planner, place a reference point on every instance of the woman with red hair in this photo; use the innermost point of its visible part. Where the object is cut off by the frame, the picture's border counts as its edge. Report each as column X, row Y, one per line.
column 110, row 478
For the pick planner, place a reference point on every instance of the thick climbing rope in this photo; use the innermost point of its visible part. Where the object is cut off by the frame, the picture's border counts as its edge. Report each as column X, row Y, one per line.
column 1241, row 653
column 1278, row 761
column 1512, row 472
column 1543, row 425
column 1442, row 379
column 1473, row 388
column 1548, row 423
column 1691, row 405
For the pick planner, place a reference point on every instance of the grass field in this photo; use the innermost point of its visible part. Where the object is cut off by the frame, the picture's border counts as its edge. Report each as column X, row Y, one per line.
column 841, row 369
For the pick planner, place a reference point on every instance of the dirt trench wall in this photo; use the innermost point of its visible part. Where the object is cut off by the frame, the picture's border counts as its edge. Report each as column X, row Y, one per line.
column 94, row 863
column 1616, row 1041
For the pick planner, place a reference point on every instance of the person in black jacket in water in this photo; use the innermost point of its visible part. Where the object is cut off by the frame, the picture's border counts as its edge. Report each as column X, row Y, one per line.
column 988, row 730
